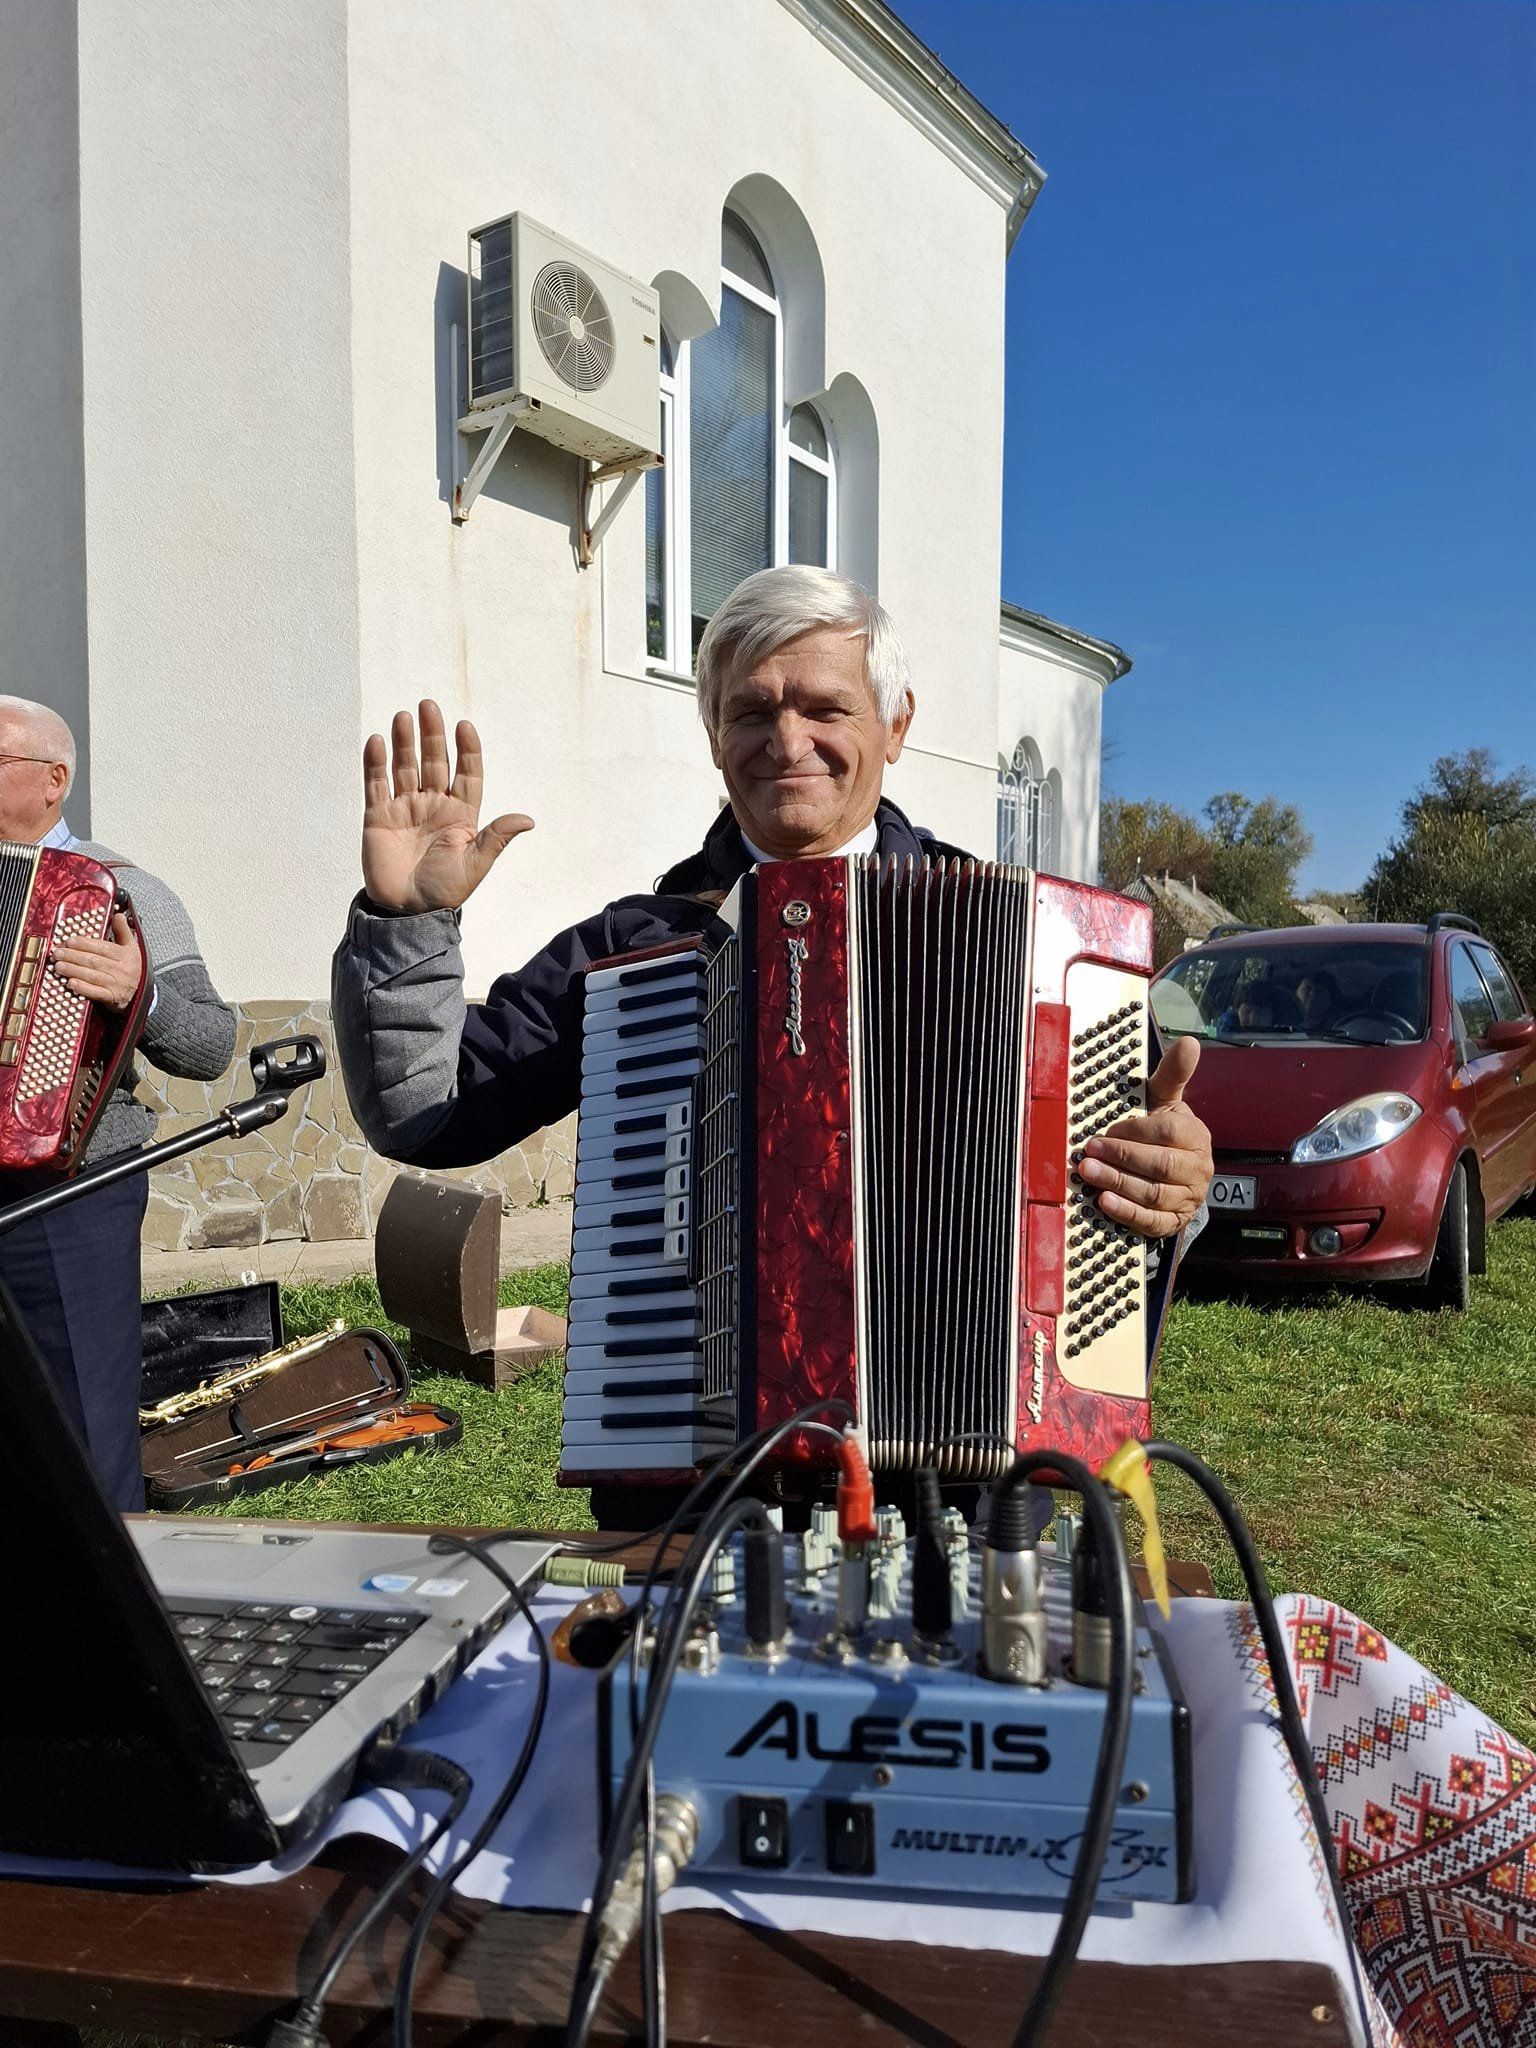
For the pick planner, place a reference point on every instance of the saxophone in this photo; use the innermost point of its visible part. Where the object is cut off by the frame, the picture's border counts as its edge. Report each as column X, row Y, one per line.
column 211, row 1393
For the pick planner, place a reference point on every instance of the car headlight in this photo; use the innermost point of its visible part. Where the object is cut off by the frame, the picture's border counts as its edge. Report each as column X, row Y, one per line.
column 1358, row 1127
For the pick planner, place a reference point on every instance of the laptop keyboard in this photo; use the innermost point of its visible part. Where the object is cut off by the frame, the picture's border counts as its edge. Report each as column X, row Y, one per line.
column 272, row 1669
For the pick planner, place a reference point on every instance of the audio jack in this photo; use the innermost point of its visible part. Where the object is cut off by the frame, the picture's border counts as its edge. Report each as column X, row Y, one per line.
column 676, row 1839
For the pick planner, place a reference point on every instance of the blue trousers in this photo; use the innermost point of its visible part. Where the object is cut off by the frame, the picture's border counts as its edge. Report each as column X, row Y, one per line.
column 74, row 1276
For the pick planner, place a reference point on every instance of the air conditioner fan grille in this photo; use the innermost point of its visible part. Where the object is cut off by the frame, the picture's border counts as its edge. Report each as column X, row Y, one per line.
column 573, row 325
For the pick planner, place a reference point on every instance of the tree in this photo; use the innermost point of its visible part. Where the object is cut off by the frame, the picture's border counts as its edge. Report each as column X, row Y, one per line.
column 1468, row 843
column 1246, row 856
column 1147, row 838
column 1465, row 785
column 1256, row 850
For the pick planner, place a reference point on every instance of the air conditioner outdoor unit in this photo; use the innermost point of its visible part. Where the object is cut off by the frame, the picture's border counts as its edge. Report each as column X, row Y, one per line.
column 575, row 338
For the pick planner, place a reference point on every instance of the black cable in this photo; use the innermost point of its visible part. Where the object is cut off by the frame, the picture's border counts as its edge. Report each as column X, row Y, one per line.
column 665, row 1659
column 666, row 1654
column 1104, row 1796
column 755, row 1449
column 385, row 1765
column 653, row 1959
column 478, row 1547
column 653, row 1962
column 1292, row 1728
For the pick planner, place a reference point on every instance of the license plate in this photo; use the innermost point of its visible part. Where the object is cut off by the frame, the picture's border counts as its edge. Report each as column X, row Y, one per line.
column 1232, row 1191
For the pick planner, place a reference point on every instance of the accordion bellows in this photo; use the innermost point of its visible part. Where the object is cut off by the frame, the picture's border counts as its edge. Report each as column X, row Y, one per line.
column 59, row 1053
column 832, row 1159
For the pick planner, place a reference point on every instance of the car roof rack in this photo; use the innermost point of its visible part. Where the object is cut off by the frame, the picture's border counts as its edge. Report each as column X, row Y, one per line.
column 1231, row 931
column 1453, row 919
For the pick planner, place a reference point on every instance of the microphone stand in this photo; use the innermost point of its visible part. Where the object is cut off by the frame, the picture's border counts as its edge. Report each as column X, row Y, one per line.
column 278, row 1068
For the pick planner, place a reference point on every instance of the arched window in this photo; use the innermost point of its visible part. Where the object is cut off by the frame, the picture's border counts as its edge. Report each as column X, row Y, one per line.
column 734, row 402
column 1026, row 810
column 812, row 502
column 747, row 483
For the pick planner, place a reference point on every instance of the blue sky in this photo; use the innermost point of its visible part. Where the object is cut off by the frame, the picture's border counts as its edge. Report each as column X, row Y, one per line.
column 1272, row 382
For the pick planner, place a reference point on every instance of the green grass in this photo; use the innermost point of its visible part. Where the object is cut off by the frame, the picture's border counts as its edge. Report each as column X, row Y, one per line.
column 1384, row 1456
column 502, row 1474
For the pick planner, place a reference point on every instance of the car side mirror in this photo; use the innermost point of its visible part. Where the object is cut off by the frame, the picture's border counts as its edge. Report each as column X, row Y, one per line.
column 1507, row 1036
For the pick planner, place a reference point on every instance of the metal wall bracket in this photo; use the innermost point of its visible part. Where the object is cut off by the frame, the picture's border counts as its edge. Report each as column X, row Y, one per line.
column 590, row 531
column 496, row 423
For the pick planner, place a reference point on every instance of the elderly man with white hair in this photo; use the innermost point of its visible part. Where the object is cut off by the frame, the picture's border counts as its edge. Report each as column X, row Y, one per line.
column 74, row 1274
column 805, row 695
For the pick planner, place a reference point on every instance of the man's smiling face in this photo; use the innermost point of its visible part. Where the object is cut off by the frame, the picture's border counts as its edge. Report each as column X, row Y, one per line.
column 801, row 746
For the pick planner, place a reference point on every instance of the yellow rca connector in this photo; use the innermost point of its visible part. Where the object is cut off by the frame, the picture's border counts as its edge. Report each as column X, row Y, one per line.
column 1128, row 1472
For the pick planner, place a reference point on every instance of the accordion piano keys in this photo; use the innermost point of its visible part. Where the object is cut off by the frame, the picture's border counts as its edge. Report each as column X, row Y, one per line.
column 633, row 1379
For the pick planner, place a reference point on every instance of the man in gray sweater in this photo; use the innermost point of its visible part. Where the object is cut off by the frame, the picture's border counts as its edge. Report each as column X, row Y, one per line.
column 74, row 1274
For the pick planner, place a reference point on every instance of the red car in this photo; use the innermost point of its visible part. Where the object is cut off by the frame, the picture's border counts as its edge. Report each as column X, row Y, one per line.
column 1371, row 1097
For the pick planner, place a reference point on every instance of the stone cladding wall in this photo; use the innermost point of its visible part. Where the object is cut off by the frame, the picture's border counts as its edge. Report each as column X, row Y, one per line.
column 310, row 1176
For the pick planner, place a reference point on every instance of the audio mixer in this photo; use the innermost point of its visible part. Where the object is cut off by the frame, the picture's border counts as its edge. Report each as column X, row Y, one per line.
column 911, row 1714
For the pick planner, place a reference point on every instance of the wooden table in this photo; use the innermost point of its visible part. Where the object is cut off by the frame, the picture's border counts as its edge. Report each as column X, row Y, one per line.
column 222, row 1963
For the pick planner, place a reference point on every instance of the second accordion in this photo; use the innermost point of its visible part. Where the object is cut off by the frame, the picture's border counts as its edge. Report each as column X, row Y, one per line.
column 832, row 1158
column 59, row 1053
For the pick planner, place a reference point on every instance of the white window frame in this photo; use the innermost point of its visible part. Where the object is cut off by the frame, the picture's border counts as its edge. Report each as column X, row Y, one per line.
column 779, row 471
column 825, row 466
column 677, row 589
column 1028, row 802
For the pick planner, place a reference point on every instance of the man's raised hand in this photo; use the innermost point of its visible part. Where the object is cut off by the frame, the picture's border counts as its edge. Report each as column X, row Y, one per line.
column 424, row 847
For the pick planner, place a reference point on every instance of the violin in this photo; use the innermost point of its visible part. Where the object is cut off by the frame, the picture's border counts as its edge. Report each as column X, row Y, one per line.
column 412, row 1422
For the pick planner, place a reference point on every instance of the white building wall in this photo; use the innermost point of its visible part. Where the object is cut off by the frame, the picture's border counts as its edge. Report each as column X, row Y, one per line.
column 231, row 406
column 625, row 129
column 219, row 517
column 1051, row 691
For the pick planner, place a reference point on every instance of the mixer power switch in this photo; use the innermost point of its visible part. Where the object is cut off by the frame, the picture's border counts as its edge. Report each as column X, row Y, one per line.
column 764, row 1825
column 850, row 1838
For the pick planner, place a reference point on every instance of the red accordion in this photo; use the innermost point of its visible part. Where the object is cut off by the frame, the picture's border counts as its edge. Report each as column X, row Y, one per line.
column 60, row 1054
column 833, row 1159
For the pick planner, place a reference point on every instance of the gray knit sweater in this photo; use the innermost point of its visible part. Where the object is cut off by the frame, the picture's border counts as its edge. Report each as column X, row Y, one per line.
column 192, row 1032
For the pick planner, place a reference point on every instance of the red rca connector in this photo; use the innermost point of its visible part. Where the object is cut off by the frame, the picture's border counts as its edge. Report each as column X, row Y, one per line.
column 855, row 1493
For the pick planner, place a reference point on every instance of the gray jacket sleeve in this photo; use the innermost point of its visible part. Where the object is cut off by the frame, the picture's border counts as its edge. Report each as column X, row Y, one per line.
column 192, row 1032
column 397, row 1003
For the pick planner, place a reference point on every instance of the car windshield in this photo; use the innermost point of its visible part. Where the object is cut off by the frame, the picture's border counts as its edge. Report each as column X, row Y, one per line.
column 1275, row 990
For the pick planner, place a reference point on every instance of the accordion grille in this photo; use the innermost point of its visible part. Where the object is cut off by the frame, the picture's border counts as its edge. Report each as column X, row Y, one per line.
column 717, row 1177
column 18, row 868
column 941, row 993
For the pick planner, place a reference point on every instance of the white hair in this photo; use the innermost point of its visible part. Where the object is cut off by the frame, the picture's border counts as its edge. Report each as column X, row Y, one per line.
column 775, row 606
column 45, row 730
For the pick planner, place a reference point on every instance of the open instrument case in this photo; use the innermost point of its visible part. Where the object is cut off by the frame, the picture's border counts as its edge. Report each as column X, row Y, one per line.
column 229, row 1408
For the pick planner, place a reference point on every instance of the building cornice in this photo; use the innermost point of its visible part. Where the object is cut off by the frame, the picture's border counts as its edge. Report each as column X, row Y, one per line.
column 898, row 65
column 1024, row 631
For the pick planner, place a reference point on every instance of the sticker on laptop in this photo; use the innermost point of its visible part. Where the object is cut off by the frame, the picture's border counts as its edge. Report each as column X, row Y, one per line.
column 390, row 1582
column 441, row 1589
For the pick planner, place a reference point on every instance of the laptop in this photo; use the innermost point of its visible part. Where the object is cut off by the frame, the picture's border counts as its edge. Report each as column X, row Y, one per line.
column 190, row 1693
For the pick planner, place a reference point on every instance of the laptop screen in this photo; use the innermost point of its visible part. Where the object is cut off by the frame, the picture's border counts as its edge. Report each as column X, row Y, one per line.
column 109, row 1748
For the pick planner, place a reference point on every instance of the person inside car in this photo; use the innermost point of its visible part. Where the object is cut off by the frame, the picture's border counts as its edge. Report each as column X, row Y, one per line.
column 1256, row 1009
column 1318, row 996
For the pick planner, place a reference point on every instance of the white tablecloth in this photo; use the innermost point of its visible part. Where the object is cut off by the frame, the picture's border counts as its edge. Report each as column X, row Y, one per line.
column 1433, row 1808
